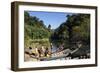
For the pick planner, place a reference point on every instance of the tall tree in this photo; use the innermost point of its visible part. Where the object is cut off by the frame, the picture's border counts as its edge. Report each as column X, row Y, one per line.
column 49, row 27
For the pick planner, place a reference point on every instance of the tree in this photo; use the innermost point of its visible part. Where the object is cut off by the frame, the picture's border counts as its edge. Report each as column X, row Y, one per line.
column 80, row 23
column 49, row 27
column 27, row 16
column 71, row 22
column 34, row 29
column 76, row 28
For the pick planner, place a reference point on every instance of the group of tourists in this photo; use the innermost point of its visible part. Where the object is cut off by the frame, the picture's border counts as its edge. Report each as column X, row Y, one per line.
column 42, row 52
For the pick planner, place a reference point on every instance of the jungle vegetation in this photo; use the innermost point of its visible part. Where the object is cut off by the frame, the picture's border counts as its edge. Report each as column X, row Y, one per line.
column 75, row 29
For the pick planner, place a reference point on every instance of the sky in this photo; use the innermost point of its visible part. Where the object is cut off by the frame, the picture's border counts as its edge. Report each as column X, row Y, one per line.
column 52, row 18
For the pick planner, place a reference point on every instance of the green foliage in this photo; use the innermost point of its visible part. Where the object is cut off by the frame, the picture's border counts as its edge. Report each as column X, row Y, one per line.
column 34, row 29
column 75, row 28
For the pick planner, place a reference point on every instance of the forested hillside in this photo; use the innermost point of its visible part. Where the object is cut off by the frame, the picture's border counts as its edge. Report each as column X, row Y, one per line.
column 76, row 29
column 35, row 31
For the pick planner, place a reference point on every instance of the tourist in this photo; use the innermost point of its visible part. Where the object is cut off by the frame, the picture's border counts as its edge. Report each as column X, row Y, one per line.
column 40, row 52
column 47, row 52
column 43, row 51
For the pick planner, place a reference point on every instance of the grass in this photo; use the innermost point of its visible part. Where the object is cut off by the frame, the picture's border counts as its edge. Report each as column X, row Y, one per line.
column 37, row 43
